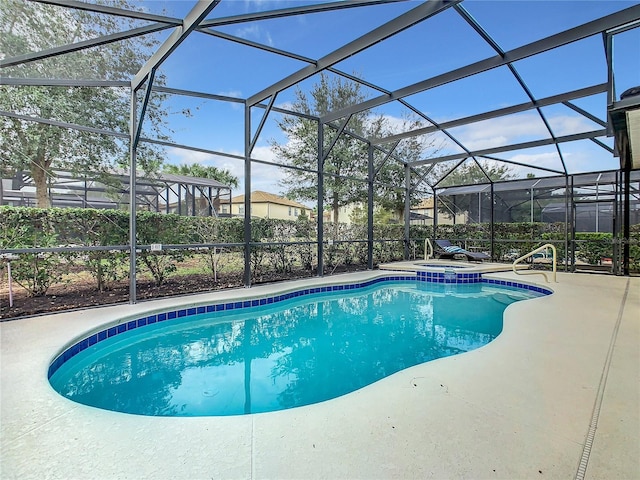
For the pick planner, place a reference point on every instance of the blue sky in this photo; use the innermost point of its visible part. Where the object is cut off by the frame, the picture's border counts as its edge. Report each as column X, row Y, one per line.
column 435, row 46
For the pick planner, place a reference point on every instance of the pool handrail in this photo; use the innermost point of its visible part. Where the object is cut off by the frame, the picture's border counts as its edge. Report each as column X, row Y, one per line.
column 429, row 255
column 533, row 272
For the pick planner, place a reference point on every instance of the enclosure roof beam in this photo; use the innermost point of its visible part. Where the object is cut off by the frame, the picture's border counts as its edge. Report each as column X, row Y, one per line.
column 520, row 164
column 515, row 146
column 287, row 12
column 191, row 21
column 563, row 38
column 121, row 12
column 191, row 93
column 522, row 107
column 487, row 38
column 328, row 150
column 260, row 46
column 74, row 47
column 603, row 145
column 584, row 113
column 54, row 82
column 263, row 120
column 56, row 123
column 398, row 24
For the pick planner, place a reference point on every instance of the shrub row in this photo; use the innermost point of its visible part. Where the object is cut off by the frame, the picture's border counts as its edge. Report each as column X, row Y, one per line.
column 44, row 228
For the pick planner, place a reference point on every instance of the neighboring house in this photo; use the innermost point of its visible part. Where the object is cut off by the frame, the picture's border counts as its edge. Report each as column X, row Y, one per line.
column 345, row 213
column 269, row 205
column 423, row 214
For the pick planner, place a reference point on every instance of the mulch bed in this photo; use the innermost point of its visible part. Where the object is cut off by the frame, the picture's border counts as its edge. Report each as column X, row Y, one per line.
column 77, row 295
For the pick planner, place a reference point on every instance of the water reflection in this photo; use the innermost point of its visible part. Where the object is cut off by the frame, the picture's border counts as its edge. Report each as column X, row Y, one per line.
column 279, row 359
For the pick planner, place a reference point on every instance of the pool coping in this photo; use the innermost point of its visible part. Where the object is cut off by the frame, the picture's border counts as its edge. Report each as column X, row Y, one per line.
column 512, row 409
column 442, row 265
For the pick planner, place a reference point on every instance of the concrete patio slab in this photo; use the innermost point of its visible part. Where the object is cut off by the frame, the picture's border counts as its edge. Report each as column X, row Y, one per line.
column 521, row 407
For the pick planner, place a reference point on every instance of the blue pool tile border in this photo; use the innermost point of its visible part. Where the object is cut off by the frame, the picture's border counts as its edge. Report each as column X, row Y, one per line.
column 524, row 286
column 447, row 277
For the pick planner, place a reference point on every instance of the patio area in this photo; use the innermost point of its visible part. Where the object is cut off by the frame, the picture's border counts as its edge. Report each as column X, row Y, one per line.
column 556, row 395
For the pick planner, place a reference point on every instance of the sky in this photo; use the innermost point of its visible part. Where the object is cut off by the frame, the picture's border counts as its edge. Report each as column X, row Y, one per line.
column 432, row 47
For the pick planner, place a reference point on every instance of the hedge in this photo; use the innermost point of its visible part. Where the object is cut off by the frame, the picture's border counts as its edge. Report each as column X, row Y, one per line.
column 33, row 227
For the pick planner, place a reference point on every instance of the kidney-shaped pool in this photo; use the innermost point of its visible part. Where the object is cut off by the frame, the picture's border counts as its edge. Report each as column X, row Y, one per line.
column 280, row 352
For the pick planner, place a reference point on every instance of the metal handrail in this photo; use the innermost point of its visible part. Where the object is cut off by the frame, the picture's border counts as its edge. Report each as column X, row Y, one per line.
column 429, row 255
column 533, row 272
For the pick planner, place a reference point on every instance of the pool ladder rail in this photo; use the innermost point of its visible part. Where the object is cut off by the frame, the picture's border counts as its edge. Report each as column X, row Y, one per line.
column 428, row 253
column 540, row 272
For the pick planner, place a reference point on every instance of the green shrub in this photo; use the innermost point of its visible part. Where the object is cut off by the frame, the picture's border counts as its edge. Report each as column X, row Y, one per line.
column 29, row 228
column 166, row 229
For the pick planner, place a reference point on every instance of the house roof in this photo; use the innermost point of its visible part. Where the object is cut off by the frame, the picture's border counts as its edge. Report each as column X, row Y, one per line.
column 259, row 196
column 425, row 204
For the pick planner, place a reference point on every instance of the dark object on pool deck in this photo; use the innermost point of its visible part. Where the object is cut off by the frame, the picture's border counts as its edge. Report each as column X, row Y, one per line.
column 448, row 251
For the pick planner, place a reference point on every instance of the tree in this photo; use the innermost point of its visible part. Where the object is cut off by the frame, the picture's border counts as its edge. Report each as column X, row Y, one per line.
column 348, row 158
column 201, row 171
column 38, row 148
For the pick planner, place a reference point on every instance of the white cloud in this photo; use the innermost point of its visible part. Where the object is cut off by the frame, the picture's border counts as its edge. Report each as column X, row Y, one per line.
column 256, row 33
column 569, row 125
column 232, row 93
column 542, row 159
column 500, row 131
column 189, row 157
column 518, row 128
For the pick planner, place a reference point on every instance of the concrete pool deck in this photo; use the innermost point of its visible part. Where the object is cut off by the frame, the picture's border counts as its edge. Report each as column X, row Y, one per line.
column 556, row 395
column 454, row 265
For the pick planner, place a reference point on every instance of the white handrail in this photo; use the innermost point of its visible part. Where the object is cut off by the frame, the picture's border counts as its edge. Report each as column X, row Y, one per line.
column 533, row 272
column 430, row 254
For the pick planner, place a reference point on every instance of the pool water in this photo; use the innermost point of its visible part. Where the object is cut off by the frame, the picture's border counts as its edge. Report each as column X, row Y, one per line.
column 299, row 352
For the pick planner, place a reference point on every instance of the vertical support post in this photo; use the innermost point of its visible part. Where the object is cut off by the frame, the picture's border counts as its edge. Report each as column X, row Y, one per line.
column 407, row 210
column 573, row 230
column 492, row 229
column 10, row 280
column 435, row 214
column 566, row 223
column 179, row 199
column 247, row 196
column 597, row 208
column 531, row 204
column 611, row 84
column 133, row 127
column 617, row 258
column 166, row 207
column 193, row 200
column 626, row 214
column 320, row 219
column 210, row 201
column 370, row 177
column 454, row 209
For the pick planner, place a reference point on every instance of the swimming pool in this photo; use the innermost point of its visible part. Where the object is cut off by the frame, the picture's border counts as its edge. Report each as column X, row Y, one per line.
column 279, row 352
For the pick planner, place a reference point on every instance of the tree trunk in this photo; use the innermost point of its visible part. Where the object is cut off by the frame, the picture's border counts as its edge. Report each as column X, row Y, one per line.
column 335, row 207
column 39, row 175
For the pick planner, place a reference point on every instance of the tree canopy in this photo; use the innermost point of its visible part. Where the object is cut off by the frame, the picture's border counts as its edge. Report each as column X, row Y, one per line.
column 38, row 148
column 203, row 171
column 345, row 166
